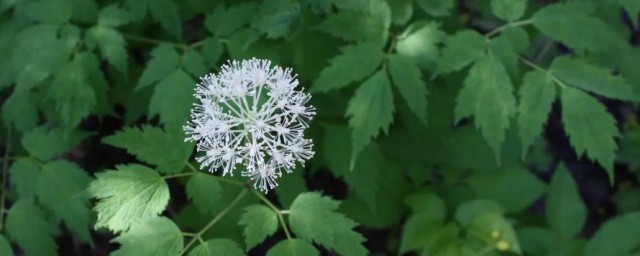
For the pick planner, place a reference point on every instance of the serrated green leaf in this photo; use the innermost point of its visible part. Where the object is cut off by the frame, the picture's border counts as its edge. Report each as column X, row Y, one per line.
column 502, row 49
column 487, row 96
column 372, row 98
column 354, row 64
column 164, row 60
column 193, row 62
column 129, row 195
column 613, row 237
column 469, row 210
column 51, row 11
column 590, row 127
column 421, row 43
column 28, row 227
column 205, row 192
column 565, row 211
column 224, row 21
column 172, row 99
column 484, row 227
column 537, row 94
column 589, row 77
column 559, row 20
column 293, row 247
column 436, row 7
column 215, row 247
column 408, row 79
column 277, row 18
column 370, row 22
column 166, row 12
column 418, row 231
column 212, row 50
column 401, row 11
column 5, row 247
column 84, row 11
column 312, row 217
column 166, row 149
column 259, row 222
column 460, row 50
column 113, row 16
column 153, row 236
column 497, row 184
column 61, row 188
column 46, row 144
column 20, row 111
column 112, row 46
column 509, row 10
column 95, row 75
column 71, row 92
column 23, row 174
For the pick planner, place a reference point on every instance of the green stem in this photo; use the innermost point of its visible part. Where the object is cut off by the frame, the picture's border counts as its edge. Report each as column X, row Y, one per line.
column 508, row 25
column 5, row 170
column 276, row 210
column 184, row 174
column 535, row 66
column 154, row 41
column 198, row 236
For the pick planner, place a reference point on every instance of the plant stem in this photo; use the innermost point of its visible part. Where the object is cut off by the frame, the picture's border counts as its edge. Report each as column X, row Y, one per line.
column 198, row 236
column 154, row 41
column 166, row 177
column 508, row 25
column 5, row 166
column 535, row 66
column 276, row 210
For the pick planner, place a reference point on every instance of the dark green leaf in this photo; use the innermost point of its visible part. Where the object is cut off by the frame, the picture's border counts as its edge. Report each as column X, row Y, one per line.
column 194, row 63
column 223, row 22
column 212, row 50
column 205, row 192
column 5, row 247
column 172, row 99
column 72, row 93
column 537, row 94
column 164, row 60
column 20, row 110
column 23, row 176
column 112, row 16
column 46, row 144
column 51, row 11
column 166, row 12
column 28, row 227
column 614, row 237
column 112, row 46
column 401, row 11
column 509, row 10
column 408, row 79
column 498, row 184
column 369, row 22
column 293, row 247
column 277, row 18
column 215, row 247
column 436, row 7
column 566, row 213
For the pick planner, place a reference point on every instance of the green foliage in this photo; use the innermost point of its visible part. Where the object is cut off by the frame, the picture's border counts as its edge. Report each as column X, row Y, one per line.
column 205, row 192
column 259, row 222
column 354, row 64
column 566, row 213
column 153, row 236
column 537, row 95
column 293, row 247
column 217, row 247
column 28, row 227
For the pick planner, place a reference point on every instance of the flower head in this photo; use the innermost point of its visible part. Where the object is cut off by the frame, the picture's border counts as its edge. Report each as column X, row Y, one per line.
column 250, row 114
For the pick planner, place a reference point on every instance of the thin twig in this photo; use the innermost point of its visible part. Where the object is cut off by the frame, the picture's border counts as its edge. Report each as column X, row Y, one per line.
column 5, row 166
column 276, row 210
column 154, row 41
column 184, row 174
column 506, row 26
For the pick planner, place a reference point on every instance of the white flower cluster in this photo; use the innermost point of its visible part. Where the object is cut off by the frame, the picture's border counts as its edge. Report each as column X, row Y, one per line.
column 250, row 114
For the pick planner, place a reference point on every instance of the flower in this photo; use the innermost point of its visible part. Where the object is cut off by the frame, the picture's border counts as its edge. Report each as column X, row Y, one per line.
column 250, row 114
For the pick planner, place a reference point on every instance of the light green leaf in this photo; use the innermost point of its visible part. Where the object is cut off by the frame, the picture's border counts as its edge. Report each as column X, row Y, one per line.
column 112, row 46
column 5, row 247
column 484, row 227
column 313, row 218
column 218, row 246
column 565, row 211
column 293, row 247
column 166, row 149
column 408, row 79
column 496, row 185
column 277, row 18
column 205, row 192
column 421, row 43
column 172, row 99
column 401, row 11
column 259, row 222
column 436, row 7
column 28, row 227
column 46, row 144
column 23, row 176
column 61, row 188
column 166, row 12
column 224, row 21
column 193, row 62
column 369, row 22
column 509, row 10
column 460, row 50
column 469, row 210
column 129, row 195
column 164, row 60
column 590, row 127
column 354, row 64
column 21, row 111
column 589, row 77
column 613, row 238
column 50, row 11
column 113, row 16
column 420, row 230
column 154, row 236
column 487, row 96
column 71, row 92
column 537, row 94
column 372, row 98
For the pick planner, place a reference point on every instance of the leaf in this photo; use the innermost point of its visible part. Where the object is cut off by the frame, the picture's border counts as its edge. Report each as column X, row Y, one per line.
column 46, row 144
column 469, row 210
column 401, row 11
column 613, row 238
column 633, row 9
column 215, row 247
column 5, row 247
column 590, row 127
column 436, row 7
column 23, row 174
column 565, row 211
column 487, row 96
column 484, row 227
column 290, row 185
column 293, row 247
column 277, row 18
column 154, row 236
column 509, row 10
column 166, row 149
column 583, row 75
column 224, row 22
column 71, row 93
column 460, row 50
column 259, row 222
column 172, row 99
column 92, row 67
column 354, row 64
column 497, row 185
column 369, row 21
column 313, row 218
column 212, row 50
column 205, row 192
column 166, row 12
column 372, row 98
column 61, row 188
column 408, row 79
column 429, row 203
column 193, row 62
column 164, row 60
column 537, row 94
column 129, row 195
column 51, row 11
column 421, row 43
column 21, row 111
column 419, row 231
column 112, row 46
column 113, row 16
column 28, row 227
column 559, row 20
